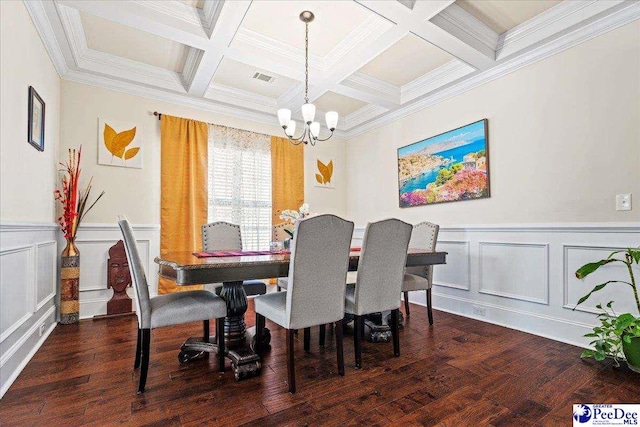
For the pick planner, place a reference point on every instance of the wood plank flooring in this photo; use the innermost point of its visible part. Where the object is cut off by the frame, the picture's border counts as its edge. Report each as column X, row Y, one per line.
column 459, row 372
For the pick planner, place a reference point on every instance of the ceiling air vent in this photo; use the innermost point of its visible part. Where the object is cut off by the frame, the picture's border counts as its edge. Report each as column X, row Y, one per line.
column 263, row 77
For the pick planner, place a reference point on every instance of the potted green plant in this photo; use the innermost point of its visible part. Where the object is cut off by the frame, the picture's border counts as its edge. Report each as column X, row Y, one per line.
column 616, row 335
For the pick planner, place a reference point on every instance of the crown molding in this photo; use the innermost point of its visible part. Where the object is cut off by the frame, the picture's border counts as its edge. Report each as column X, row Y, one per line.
column 443, row 75
column 609, row 22
column 362, row 80
column 234, row 96
column 47, row 34
column 551, row 22
column 456, row 19
column 276, row 47
column 210, row 14
column 365, row 113
column 191, row 65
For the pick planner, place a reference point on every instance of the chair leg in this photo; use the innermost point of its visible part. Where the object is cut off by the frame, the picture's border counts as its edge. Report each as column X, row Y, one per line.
column 339, row 347
column 146, row 344
column 205, row 331
column 291, row 374
column 136, row 364
column 429, row 308
column 307, row 339
column 395, row 314
column 357, row 340
column 406, row 303
column 278, row 288
column 221, row 348
column 323, row 330
column 259, row 329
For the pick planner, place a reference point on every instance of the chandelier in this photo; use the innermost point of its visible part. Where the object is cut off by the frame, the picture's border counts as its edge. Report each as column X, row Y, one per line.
column 311, row 130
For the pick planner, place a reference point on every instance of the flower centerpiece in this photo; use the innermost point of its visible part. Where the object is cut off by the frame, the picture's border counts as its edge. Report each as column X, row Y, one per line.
column 618, row 336
column 74, row 203
column 292, row 216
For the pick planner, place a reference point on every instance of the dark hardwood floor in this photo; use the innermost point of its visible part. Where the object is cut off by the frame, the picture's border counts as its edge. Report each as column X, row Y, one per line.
column 459, row 372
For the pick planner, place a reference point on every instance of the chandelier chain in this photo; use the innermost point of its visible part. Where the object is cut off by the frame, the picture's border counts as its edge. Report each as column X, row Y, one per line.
column 306, row 62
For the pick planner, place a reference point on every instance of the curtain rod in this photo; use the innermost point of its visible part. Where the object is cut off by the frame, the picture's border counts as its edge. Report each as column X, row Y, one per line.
column 159, row 115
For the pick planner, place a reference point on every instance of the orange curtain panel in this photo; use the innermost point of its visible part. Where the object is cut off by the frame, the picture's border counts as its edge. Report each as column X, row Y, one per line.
column 287, row 176
column 183, row 183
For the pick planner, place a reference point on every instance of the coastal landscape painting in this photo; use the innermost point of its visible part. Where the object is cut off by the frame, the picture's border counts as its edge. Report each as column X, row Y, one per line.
column 449, row 167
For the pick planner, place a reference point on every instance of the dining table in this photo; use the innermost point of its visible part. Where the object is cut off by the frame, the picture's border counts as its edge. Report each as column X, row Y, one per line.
column 187, row 268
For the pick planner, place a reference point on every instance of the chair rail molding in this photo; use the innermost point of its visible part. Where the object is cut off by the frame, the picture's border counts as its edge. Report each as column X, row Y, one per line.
column 522, row 275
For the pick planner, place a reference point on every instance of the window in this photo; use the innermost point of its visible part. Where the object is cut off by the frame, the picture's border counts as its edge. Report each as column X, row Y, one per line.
column 240, row 183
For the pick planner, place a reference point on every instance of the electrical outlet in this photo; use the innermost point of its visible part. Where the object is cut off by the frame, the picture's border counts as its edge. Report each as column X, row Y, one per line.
column 480, row 311
column 623, row 202
column 41, row 330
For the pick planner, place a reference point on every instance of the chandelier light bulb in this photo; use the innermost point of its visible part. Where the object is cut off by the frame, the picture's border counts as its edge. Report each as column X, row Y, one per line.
column 314, row 128
column 284, row 116
column 308, row 113
column 291, row 128
column 332, row 120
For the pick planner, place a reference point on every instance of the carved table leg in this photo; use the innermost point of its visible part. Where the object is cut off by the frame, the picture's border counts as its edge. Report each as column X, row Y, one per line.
column 238, row 340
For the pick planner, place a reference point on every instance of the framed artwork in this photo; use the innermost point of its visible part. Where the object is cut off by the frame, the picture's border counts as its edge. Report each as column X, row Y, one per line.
column 35, row 120
column 449, row 167
column 119, row 144
column 324, row 173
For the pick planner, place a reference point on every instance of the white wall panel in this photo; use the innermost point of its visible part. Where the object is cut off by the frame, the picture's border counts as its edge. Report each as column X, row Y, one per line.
column 46, row 284
column 16, row 288
column 574, row 289
column 454, row 275
column 515, row 270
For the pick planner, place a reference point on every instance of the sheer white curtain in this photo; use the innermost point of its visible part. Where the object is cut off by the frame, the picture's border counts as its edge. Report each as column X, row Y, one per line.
column 240, row 183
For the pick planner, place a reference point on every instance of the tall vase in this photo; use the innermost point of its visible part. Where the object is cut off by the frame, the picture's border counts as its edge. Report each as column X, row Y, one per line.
column 70, row 284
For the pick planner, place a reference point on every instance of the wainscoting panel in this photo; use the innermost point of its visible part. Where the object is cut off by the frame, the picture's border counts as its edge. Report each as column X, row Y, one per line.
column 46, row 283
column 574, row 289
column 28, row 293
column 94, row 241
column 457, row 276
column 523, row 276
column 515, row 270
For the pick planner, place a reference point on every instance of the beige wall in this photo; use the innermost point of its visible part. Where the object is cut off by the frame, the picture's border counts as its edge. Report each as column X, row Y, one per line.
column 564, row 138
column 136, row 192
column 27, row 176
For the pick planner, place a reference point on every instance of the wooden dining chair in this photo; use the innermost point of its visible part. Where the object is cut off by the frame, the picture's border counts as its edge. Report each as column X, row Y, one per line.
column 423, row 236
column 225, row 236
column 167, row 310
column 380, row 273
column 316, row 288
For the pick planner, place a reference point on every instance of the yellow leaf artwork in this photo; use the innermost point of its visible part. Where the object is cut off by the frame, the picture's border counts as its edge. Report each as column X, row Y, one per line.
column 324, row 174
column 118, row 145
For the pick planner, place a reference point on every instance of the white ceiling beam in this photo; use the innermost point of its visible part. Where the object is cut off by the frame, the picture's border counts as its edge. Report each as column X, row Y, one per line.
column 417, row 21
column 225, row 28
column 171, row 20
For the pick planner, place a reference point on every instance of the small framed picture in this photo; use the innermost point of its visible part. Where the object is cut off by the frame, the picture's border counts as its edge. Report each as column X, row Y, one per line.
column 35, row 132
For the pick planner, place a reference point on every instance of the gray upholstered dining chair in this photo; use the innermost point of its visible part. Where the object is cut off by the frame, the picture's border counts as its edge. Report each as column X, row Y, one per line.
column 280, row 235
column 316, row 291
column 380, row 273
column 167, row 310
column 424, row 236
column 224, row 236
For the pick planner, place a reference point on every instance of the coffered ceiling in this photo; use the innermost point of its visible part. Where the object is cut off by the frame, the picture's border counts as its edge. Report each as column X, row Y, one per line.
column 373, row 61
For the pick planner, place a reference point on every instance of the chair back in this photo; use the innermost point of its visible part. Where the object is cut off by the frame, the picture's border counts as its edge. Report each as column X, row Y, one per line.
column 381, row 266
column 279, row 235
column 138, row 276
column 423, row 236
column 318, row 271
column 221, row 236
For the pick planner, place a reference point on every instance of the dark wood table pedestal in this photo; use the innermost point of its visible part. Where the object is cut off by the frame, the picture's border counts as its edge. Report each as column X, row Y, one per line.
column 238, row 340
column 376, row 326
